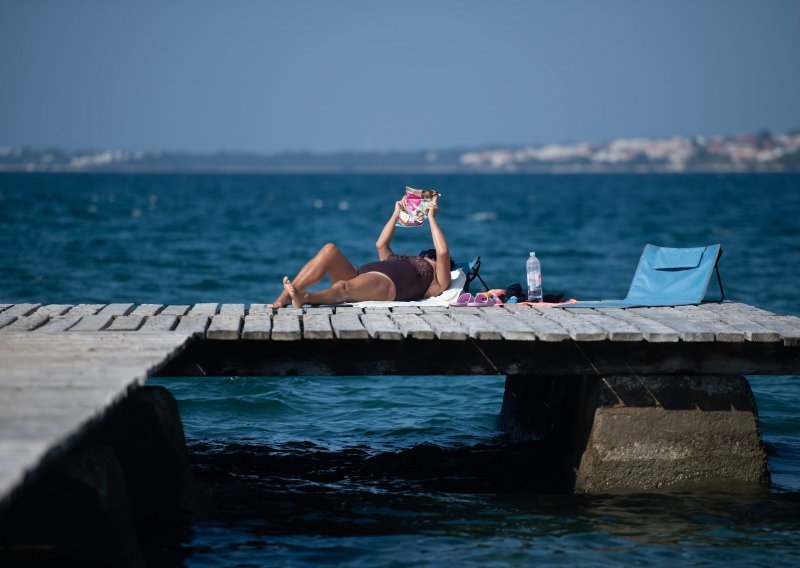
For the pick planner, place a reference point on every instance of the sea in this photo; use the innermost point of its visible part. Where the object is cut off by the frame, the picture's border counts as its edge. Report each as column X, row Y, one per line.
column 410, row 470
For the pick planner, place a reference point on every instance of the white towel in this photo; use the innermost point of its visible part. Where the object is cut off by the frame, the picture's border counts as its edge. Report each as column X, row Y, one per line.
column 457, row 279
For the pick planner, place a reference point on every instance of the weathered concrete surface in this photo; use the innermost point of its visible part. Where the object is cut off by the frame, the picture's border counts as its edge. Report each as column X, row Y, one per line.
column 624, row 433
column 113, row 498
column 671, row 432
column 147, row 436
column 54, row 390
column 78, row 514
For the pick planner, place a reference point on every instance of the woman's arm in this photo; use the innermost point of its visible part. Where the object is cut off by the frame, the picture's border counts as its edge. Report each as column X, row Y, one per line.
column 442, row 252
column 385, row 238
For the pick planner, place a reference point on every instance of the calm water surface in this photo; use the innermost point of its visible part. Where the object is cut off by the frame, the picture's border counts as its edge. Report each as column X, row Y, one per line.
column 413, row 470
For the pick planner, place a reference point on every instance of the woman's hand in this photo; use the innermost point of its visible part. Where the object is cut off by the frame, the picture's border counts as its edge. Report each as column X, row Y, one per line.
column 399, row 206
column 433, row 207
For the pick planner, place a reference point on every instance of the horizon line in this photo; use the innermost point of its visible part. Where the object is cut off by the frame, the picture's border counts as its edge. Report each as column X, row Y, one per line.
column 387, row 150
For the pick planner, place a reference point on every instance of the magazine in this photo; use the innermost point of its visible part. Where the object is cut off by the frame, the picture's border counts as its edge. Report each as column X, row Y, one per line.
column 418, row 202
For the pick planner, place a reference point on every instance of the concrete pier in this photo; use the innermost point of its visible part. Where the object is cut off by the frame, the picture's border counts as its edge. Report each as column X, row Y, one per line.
column 638, row 398
column 110, row 498
column 643, row 433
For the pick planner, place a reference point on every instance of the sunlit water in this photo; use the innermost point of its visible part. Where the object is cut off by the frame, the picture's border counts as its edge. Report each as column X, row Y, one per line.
column 413, row 470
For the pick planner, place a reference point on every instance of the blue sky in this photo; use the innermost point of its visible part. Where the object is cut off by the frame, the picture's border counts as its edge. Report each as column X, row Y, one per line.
column 272, row 76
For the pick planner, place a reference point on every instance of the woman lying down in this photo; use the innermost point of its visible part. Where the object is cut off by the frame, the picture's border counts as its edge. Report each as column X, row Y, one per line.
column 393, row 277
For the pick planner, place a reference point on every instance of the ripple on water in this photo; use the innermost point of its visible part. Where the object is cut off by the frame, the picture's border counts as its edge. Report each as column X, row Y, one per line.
column 364, row 472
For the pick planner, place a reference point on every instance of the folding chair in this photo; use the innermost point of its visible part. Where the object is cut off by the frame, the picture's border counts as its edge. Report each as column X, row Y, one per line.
column 472, row 271
column 668, row 277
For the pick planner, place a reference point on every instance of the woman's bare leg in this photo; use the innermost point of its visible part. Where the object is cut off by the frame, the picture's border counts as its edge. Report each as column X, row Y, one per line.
column 329, row 260
column 368, row 286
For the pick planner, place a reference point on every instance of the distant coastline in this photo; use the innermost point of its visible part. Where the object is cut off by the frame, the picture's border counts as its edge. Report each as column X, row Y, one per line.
column 761, row 152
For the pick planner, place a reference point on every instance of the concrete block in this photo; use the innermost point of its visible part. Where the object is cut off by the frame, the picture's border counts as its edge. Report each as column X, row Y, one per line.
column 642, row 433
column 670, row 432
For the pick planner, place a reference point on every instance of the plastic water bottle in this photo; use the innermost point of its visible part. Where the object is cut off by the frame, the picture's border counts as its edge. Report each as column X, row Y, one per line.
column 534, row 270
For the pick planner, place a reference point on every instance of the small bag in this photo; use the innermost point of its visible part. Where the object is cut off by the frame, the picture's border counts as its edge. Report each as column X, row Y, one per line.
column 519, row 292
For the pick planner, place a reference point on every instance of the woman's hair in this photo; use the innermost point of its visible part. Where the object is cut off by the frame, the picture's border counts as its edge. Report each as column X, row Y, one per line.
column 431, row 253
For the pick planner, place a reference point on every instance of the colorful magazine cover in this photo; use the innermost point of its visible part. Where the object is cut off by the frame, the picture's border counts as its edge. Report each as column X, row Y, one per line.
column 418, row 202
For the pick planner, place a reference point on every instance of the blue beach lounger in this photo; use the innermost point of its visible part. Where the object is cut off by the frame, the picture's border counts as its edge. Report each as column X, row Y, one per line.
column 668, row 277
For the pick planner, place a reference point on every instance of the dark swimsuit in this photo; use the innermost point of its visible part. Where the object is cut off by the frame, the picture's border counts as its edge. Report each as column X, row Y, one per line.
column 411, row 275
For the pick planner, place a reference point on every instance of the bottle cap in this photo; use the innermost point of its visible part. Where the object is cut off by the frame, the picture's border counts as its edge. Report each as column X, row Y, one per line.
column 533, row 253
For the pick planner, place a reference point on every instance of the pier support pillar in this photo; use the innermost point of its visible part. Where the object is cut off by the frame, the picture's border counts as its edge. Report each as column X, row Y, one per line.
column 147, row 436
column 78, row 514
column 116, row 498
column 628, row 433
column 538, row 407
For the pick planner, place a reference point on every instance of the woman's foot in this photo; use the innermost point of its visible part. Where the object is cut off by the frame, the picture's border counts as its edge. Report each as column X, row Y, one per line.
column 298, row 296
column 281, row 301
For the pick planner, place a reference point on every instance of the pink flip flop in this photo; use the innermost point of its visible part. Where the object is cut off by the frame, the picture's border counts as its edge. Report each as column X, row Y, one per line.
column 481, row 301
column 462, row 300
